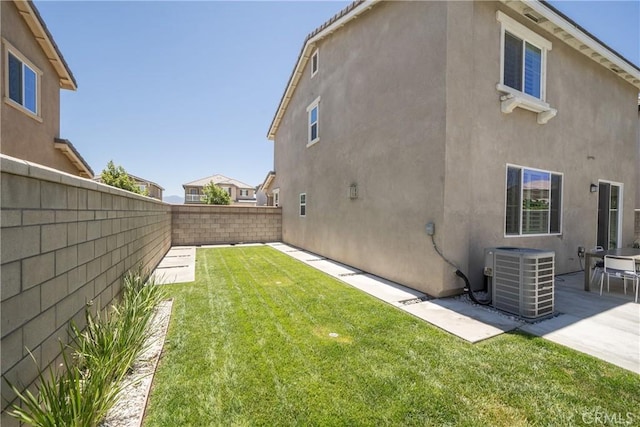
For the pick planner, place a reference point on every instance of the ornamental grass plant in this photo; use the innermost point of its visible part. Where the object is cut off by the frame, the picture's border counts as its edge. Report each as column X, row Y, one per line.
column 95, row 362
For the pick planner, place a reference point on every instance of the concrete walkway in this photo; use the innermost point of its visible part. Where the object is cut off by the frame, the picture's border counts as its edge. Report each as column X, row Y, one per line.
column 472, row 323
column 606, row 327
column 177, row 266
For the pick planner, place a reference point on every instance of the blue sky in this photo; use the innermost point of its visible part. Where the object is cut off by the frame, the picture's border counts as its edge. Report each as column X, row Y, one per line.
column 176, row 91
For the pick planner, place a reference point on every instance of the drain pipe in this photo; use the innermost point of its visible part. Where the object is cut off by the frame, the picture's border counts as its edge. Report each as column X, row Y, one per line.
column 467, row 289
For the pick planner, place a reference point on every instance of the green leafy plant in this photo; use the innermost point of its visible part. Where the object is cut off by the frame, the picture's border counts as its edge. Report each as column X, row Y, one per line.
column 214, row 195
column 116, row 176
column 102, row 354
column 74, row 397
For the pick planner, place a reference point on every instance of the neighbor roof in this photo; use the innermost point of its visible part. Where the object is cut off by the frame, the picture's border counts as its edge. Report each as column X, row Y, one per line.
column 546, row 17
column 41, row 33
column 217, row 179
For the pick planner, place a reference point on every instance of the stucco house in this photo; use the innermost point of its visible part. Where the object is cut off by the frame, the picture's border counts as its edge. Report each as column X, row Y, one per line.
column 152, row 189
column 504, row 123
column 241, row 193
column 266, row 194
column 33, row 72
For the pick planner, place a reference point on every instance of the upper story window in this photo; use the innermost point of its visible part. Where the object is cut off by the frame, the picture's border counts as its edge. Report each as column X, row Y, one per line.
column 523, row 69
column 533, row 202
column 314, row 63
column 313, row 111
column 22, row 82
column 303, row 204
column 244, row 192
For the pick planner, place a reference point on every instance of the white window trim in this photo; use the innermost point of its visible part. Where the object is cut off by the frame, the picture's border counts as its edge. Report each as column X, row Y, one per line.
column 8, row 47
column 302, row 204
column 504, row 215
column 315, row 55
column 314, row 104
column 276, row 197
column 513, row 98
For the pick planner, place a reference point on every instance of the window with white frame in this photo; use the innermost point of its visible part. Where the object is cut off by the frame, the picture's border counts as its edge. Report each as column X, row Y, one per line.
column 303, row 204
column 533, row 202
column 227, row 189
column 523, row 69
column 22, row 82
column 523, row 58
column 314, row 63
column 313, row 111
column 244, row 192
column 276, row 197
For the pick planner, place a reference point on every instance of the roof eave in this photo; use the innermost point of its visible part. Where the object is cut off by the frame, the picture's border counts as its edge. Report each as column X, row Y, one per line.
column 44, row 38
column 572, row 34
column 74, row 157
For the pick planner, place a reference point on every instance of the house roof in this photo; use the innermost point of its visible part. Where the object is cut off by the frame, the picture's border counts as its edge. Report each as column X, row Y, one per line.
column 267, row 180
column 74, row 156
column 138, row 179
column 41, row 33
column 538, row 12
column 217, row 179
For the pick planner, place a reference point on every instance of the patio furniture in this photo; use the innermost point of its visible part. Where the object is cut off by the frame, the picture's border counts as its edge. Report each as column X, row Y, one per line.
column 592, row 256
column 622, row 268
column 598, row 268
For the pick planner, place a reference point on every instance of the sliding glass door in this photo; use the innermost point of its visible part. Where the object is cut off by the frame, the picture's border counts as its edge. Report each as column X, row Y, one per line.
column 609, row 215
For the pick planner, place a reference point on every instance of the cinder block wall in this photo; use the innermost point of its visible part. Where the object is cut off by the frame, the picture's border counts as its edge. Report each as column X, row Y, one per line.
column 65, row 241
column 200, row 225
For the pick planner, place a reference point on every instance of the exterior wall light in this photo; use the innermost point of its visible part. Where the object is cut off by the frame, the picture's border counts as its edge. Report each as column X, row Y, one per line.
column 353, row 191
column 593, row 188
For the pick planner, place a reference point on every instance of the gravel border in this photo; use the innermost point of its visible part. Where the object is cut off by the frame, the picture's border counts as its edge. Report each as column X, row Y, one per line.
column 132, row 400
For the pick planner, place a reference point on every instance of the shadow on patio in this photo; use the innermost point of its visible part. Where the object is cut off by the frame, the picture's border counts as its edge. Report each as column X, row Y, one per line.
column 607, row 326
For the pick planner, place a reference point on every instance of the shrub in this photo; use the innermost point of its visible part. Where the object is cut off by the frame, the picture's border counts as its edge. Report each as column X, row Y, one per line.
column 214, row 195
column 103, row 353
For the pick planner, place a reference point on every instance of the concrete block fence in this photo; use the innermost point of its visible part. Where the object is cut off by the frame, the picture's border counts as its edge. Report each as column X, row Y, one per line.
column 66, row 242
column 201, row 225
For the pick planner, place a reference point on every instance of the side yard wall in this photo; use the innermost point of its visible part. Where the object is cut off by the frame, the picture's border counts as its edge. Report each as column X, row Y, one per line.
column 201, row 225
column 65, row 242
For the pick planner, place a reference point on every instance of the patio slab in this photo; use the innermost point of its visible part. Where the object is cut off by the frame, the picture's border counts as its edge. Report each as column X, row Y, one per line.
column 177, row 266
column 605, row 326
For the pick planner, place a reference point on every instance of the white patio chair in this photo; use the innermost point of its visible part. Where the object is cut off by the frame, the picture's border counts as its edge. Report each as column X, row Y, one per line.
column 597, row 268
column 622, row 268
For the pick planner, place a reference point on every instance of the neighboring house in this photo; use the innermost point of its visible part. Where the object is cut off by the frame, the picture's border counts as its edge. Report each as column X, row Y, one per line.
column 153, row 190
column 240, row 193
column 490, row 119
column 267, row 195
column 33, row 72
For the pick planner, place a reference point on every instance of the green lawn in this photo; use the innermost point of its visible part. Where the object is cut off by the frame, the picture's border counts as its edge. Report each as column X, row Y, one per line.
column 249, row 344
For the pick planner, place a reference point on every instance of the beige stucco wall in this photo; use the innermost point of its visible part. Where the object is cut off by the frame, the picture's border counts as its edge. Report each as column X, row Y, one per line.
column 21, row 135
column 410, row 112
column 592, row 138
column 382, row 126
column 65, row 241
